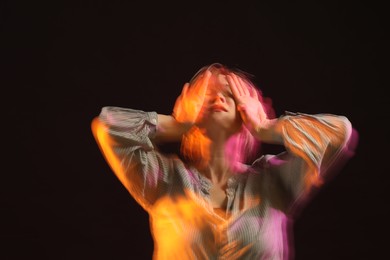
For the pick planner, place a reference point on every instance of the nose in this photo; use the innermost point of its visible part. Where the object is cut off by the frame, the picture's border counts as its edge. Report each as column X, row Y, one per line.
column 219, row 97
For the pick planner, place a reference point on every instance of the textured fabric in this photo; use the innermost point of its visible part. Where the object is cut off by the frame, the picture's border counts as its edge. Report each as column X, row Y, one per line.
column 259, row 201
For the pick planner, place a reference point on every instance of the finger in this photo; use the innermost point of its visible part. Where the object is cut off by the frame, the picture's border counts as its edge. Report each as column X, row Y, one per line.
column 185, row 90
column 244, row 86
column 239, row 85
column 253, row 92
column 204, row 83
column 233, row 82
column 185, row 87
column 233, row 87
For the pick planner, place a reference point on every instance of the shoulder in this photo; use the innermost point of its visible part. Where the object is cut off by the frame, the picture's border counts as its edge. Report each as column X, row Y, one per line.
column 270, row 160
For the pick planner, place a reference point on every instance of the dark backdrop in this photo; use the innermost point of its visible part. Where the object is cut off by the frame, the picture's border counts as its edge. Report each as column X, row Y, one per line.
column 64, row 60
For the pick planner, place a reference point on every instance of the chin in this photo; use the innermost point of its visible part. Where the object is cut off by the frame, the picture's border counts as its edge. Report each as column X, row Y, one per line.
column 221, row 121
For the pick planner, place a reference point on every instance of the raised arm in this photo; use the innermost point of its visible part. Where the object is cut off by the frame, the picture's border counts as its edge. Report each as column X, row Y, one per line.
column 169, row 129
column 125, row 139
column 318, row 139
column 314, row 143
column 185, row 112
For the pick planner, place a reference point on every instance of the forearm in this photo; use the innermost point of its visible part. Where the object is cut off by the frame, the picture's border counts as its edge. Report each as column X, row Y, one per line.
column 269, row 132
column 123, row 136
column 169, row 129
column 316, row 138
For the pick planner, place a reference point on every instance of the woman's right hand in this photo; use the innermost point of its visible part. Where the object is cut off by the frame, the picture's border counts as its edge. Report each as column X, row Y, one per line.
column 189, row 104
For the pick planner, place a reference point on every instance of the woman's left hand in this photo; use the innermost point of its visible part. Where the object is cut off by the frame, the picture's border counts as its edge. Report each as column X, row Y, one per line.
column 248, row 103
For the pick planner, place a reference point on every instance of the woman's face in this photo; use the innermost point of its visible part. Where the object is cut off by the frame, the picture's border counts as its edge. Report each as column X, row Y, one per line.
column 219, row 110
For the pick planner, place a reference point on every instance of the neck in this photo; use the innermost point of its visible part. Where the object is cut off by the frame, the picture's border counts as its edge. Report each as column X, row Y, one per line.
column 223, row 159
column 218, row 170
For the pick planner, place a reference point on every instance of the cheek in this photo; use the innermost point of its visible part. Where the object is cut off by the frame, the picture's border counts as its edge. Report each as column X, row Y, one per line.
column 230, row 101
column 232, row 104
column 234, row 112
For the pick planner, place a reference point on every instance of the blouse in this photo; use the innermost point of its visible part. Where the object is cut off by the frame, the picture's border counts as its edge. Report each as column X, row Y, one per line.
column 260, row 202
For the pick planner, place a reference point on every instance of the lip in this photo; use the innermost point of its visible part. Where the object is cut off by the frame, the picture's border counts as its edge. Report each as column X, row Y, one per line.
column 218, row 108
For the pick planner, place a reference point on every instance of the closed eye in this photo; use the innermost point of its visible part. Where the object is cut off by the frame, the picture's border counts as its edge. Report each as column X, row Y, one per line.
column 228, row 94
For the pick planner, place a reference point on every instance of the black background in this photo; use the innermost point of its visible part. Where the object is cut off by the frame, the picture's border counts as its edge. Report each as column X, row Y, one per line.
column 65, row 60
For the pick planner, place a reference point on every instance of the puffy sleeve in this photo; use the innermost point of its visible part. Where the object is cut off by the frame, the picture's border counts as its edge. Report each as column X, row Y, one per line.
column 124, row 136
column 316, row 145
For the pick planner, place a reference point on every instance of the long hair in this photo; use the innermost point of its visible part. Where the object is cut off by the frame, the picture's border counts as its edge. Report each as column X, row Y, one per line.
column 192, row 145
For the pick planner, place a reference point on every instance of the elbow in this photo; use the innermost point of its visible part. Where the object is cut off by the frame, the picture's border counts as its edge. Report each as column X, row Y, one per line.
column 100, row 133
column 351, row 138
column 96, row 124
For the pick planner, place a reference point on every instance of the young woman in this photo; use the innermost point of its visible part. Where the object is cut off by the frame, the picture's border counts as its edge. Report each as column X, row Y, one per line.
column 213, row 202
